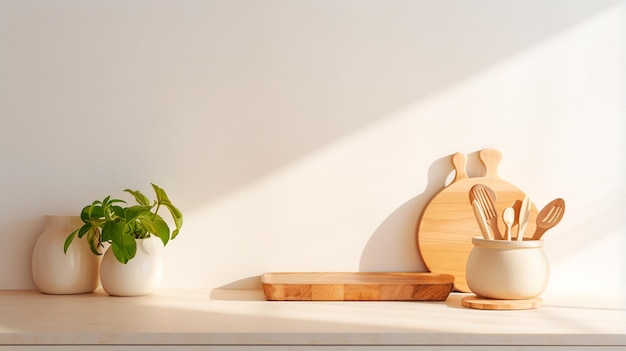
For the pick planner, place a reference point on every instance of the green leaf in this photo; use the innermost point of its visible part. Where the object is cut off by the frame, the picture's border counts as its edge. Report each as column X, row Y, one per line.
column 112, row 231
column 94, row 240
column 139, row 197
column 69, row 239
column 177, row 215
column 122, row 243
column 124, row 249
column 136, row 229
column 118, row 211
column 157, row 226
column 93, row 211
column 93, row 237
column 105, row 235
column 160, row 193
column 114, row 201
column 84, row 229
column 136, row 211
column 108, row 201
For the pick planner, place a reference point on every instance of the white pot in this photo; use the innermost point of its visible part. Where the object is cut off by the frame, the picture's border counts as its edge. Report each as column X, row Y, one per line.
column 139, row 276
column 507, row 270
column 55, row 272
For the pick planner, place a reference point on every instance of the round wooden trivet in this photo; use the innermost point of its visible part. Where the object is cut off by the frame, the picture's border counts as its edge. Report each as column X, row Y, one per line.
column 480, row 303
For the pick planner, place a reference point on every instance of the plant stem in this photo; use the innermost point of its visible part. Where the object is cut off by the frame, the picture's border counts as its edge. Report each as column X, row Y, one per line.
column 157, row 207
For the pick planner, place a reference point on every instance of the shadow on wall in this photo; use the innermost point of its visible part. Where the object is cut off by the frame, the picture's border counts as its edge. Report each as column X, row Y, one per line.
column 395, row 240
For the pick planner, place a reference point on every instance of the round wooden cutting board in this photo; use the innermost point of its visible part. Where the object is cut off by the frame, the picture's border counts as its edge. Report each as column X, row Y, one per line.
column 448, row 223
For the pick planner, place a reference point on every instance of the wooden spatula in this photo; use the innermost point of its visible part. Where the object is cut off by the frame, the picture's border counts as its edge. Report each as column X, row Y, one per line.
column 486, row 197
column 482, row 221
column 549, row 216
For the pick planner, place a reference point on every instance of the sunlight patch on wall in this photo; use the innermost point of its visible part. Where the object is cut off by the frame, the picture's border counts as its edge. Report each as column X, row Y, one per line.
column 554, row 111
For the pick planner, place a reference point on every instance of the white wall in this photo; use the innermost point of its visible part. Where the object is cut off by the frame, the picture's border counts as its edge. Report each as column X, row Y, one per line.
column 309, row 135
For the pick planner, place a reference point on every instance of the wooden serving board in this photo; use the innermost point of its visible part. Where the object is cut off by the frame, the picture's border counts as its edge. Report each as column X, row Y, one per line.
column 360, row 286
column 448, row 223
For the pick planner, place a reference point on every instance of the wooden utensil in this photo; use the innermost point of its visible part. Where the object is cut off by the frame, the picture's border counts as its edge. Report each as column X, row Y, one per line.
column 482, row 221
column 360, row 286
column 447, row 224
column 508, row 217
column 549, row 216
column 516, row 207
column 524, row 212
column 486, row 197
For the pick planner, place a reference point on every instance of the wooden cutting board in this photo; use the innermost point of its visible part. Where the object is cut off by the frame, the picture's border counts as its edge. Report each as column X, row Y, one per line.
column 359, row 286
column 448, row 224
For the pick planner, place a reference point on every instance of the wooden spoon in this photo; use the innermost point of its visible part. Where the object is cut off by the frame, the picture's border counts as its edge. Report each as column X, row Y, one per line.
column 508, row 216
column 549, row 216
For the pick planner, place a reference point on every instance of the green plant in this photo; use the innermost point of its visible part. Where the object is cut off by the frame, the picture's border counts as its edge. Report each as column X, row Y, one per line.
column 108, row 221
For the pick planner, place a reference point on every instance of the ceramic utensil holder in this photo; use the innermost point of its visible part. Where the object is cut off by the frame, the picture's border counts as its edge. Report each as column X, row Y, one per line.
column 507, row 270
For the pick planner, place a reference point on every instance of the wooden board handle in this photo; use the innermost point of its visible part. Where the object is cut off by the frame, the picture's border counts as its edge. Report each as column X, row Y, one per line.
column 491, row 159
column 459, row 161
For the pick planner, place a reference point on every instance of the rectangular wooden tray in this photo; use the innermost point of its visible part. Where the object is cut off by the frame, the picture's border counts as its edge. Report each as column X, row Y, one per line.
column 359, row 286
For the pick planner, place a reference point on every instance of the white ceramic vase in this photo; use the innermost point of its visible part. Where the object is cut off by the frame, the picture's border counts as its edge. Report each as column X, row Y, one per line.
column 507, row 270
column 56, row 272
column 139, row 276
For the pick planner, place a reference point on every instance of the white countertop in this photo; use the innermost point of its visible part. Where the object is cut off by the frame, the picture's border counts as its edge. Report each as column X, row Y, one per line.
column 243, row 317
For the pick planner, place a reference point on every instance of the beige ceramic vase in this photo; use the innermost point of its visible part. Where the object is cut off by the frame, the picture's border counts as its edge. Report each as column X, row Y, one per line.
column 139, row 276
column 56, row 272
column 507, row 270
